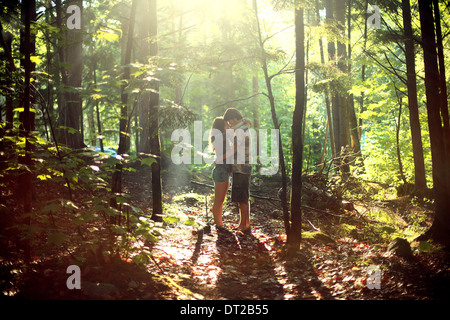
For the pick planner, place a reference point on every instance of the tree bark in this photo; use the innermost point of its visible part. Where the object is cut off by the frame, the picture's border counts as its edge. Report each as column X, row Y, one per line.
column 363, row 71
column 97, row 111
column 6, row 41
column 353, row 121
column 442, row 81
column 256, row 121
column 331, row 49
column 27, row 48
column 344, row 114
column 70, row 51
column 327, row 97
column 397, row 136
column 295, row 232
column 154, row 120
column 283, row 194
column 440, row 229
column 419, row 166
column 142, row 53
column 116, row 181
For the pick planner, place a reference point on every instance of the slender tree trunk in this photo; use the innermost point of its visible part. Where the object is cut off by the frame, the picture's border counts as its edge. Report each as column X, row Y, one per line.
column 305, row 109
column 154, row 120
column 363, row 71
column 331, row 48
column 27, row 48
column 255, row 109
column 70, row 53
column 344, row 122
column 97, row 110
column 142, row 52
column 442, row 81
column 353, row 121
column 327, row 96
column 295, row 231
column 283, row 194
column 397, row 136
column 74, row 54
column 419, row 165
column 6, row 41
column 440, row 229
column 116, row 182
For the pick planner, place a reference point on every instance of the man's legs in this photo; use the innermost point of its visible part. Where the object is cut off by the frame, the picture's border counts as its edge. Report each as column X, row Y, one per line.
column 244, row 222
column 240, row 194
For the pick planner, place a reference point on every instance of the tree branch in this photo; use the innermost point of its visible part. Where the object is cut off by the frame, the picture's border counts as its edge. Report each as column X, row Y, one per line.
column 241, row 99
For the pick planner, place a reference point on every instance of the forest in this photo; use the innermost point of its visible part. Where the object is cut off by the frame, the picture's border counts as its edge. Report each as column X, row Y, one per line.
column 107, row 187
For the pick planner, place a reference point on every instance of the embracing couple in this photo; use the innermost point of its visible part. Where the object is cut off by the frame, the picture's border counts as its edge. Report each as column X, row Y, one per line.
column 228, row 165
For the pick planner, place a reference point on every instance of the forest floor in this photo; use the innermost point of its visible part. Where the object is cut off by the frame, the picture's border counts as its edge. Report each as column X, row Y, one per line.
column 338, row 250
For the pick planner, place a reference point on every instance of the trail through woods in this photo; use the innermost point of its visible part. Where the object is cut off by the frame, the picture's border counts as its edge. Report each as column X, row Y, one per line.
column 338, row 249
column 332, row 264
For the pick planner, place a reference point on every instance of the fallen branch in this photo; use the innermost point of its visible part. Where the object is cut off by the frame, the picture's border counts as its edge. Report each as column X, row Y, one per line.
column 251, row 193
column 306, row 185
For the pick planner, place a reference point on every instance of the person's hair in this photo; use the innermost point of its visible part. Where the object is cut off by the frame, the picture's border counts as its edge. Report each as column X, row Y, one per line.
column 232, row 113
column 219, row 124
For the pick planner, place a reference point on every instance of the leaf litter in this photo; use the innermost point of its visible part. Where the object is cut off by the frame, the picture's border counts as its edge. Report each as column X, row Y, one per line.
column 230, row 265
column 336, row 252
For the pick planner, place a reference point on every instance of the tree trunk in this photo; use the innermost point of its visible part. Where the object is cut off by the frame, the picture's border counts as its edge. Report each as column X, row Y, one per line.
column 344, row 114
column 331, row 48
column 6, row 40
column 141, row 53
column 397, row 136
column 363, row 71
column 419, row 166
column 97, row 111
column 305, row 81
column 327, row 96
column 256, row 121
column 283, row 194
column 442, row 82
column 116, row 181
column 353, row 121
column 154, row 119
column 70, row 53
column 440, row 229
column 74, row 54
column 27, row 48
column 295, row 232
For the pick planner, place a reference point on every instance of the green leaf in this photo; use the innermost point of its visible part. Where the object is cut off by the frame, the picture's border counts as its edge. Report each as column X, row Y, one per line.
column 190, row 222
column 56, row 238
column 53, row 207
column 69, row 129
column 148, row 161
column 44, row 177
column 171, row 219
column 23, row 109
column 107, row 35
column 121, row 200
column 35, row 59
column 424, row 246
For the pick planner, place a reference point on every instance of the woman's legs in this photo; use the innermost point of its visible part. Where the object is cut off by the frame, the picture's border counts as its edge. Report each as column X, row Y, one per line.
column 220, row 192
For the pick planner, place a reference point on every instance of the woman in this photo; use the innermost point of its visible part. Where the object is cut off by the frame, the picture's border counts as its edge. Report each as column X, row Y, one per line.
column 221, row 172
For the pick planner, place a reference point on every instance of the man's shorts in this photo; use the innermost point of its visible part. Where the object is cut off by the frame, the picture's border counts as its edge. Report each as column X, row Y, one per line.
column 240, row 187
column 221, row 173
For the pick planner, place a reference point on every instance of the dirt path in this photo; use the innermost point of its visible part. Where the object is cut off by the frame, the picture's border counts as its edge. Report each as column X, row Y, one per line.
column 229, row 265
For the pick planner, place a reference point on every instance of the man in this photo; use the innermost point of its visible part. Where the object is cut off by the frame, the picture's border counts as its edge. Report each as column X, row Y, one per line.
column 241, row 167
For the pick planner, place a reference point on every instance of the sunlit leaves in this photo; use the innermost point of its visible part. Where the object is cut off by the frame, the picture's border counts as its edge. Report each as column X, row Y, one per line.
column 106, row 35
